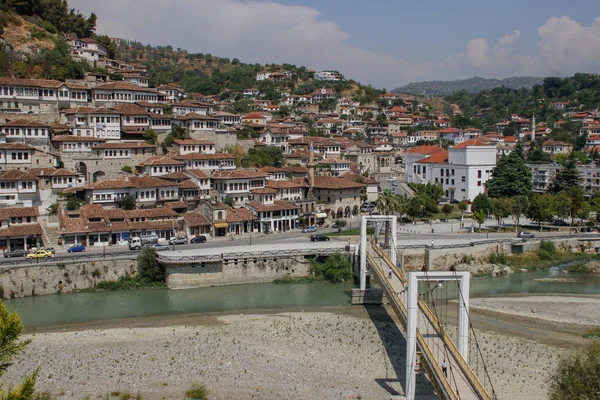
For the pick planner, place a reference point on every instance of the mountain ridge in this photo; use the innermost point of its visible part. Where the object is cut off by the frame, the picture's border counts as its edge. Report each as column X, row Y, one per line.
column 471, row 85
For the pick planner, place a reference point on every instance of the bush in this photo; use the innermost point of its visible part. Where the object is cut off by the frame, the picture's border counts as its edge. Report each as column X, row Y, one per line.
column 337, row 268
column 197, row 392
column 127, row 169
column 498, row 258
column 148, row 266
column 577, row 376
column 547, row 250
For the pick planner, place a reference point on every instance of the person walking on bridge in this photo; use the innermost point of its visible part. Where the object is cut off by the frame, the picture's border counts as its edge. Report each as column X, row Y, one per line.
column 390, row 273
column 444, row 368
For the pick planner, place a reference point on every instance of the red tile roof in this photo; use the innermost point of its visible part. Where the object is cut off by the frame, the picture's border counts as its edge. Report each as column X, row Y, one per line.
column 470, row 143
column 10, row 212
column 330, row 182
column 277, row 206
column 425, row 149
column 159, row 160
column 238, row 174
column 130, row 182
column 439, row 158
column 193, row 219
column 22, row 122
column 15, row 175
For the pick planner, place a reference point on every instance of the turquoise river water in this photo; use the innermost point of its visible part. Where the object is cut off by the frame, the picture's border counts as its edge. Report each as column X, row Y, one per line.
column 96, row 306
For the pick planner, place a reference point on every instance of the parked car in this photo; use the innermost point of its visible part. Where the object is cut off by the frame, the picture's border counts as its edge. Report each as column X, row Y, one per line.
column 319, row 238
column 392, row 179
column 38, row 254
column 198, row 239
column 76, row 248
column 454, row 201
column 178, row 240
column 443, row 200
column 526, row 235
column 394, row 183
column 51, row 250
column 15, row 253
column 160, row 247
column 309, row 229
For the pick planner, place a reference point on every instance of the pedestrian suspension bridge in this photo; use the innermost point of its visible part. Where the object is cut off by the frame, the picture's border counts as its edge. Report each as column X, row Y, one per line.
column 419, row 299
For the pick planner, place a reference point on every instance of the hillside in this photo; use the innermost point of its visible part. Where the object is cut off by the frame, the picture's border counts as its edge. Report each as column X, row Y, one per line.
column 471, row 85
column 211, row 75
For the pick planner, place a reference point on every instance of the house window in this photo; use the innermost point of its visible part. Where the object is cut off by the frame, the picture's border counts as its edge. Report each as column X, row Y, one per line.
column 463, row 178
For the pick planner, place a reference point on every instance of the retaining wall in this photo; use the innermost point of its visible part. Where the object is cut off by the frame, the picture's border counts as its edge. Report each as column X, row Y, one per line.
column 61, row 278
column 234, row 272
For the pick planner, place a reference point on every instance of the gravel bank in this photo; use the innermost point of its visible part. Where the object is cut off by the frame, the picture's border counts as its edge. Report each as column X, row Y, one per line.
column 316, row 355
column 557, row 309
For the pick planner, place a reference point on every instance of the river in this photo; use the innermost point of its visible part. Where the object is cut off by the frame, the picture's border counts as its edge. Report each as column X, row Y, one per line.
column 72, row 308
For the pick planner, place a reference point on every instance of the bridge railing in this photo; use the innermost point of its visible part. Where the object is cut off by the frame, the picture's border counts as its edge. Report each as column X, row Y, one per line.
column 23, row 262
column 441, row 382
column 465, row 368
column 264, row 254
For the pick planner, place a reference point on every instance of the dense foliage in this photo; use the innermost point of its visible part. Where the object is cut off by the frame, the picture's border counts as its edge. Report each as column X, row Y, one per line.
column 578, row 376
column 11, row 329
column 337, row 268
column 581, row 91
column 267, row 156
column 53, row 15
column 510, row 177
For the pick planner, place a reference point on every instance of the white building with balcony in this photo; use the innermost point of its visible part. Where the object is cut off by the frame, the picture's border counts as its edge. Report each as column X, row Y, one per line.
column 237, row 184
column 462, row 170
column 195, row 146
column 19, row 188
column 159, row 166
column 93, row 122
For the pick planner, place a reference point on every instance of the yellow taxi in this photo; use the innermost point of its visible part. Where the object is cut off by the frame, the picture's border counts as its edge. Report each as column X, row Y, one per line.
column 42, row 253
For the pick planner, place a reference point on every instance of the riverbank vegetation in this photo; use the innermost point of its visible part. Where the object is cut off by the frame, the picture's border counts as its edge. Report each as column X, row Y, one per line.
column 337, row 268
column 11, row 328
column 547, row 255
column 150, row 275
column 577, row 376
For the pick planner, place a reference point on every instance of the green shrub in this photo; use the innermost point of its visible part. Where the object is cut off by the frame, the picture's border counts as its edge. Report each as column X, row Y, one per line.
column 197, row 391
column 37, row 33
column 127, row 169
column 547, row 250
column 498, row 258
column 337, row 268
column 49, row 27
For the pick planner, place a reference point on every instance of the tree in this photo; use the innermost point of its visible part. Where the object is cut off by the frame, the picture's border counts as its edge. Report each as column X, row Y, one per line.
column 562, row 205
column 537, row 155
column 510, row 177
column 340, row 222
column 151, row 137
column 501, row 210
column 577, row 376
column 388, row 203
column 337, row 268
column 518, row 206
column 363, row 195
column 11, row 328
column 462, row 206
column 479, row 217
column 540, row 209
column 447, row 210
column 414, row 207
column 228, row 201
column 267, row 156
column 238, row 152
column 128, row 202
column 148, row 266
column 482, row 202
column 566, row 177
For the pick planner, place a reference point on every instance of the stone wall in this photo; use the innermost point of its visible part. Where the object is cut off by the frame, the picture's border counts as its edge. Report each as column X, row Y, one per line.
column 61, row 278
column 444, row 258
column 234, row 272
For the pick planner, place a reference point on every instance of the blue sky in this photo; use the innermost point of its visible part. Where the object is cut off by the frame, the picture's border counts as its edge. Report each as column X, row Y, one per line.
column 385, row 43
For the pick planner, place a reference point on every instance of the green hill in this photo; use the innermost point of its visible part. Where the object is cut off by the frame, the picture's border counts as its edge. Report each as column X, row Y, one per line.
column 471, row 85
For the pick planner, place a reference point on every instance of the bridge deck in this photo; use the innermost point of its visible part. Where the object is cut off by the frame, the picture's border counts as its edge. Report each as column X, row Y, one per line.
column 433, row 343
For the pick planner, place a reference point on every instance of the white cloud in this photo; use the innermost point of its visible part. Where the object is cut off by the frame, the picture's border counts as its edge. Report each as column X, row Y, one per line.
column 564, row 47
column 253, row 31
column 481, row 55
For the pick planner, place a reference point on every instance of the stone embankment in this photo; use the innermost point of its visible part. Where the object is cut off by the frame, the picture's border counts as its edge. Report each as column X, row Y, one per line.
column 34, row 280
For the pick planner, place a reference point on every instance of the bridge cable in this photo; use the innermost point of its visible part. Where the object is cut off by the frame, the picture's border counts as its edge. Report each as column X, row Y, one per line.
column 449, row 364
column 485, row 369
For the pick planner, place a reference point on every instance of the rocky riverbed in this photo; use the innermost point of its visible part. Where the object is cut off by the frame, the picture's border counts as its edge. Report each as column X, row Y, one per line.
column 343, row 353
